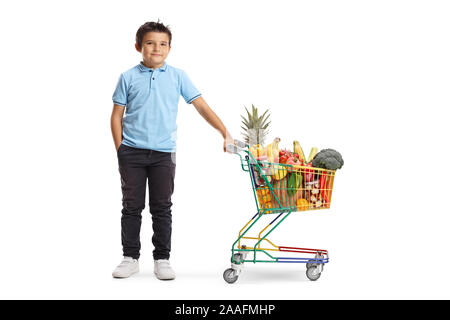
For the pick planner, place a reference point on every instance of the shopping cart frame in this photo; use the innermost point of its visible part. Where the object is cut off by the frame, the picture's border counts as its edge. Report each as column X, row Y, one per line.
column 239, row 253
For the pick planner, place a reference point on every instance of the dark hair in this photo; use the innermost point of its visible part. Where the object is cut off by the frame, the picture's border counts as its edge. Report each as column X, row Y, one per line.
column 152, row 27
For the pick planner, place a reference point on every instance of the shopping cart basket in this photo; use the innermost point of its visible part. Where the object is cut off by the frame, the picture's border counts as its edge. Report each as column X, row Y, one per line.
column 279, row 189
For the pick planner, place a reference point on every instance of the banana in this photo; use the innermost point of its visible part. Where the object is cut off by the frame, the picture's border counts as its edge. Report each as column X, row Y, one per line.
column 275, row 148
column 269, row 152
column 272, row 150
column 280, row 172
column 298, row 150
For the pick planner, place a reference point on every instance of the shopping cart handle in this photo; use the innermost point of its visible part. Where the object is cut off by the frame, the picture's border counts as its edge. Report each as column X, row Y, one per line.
column 237, row 147
column 231, row 148
column 240, row 144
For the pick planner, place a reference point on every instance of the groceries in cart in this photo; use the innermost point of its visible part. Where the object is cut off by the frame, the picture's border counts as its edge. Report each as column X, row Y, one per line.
column 286, row 178
column 297, row 182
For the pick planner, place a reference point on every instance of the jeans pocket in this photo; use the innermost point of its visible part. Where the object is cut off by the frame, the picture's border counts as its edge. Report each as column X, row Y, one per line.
column 120, row 147
column 173, row 157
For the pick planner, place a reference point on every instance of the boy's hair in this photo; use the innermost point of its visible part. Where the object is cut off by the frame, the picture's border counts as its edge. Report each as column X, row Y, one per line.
column 152, row 27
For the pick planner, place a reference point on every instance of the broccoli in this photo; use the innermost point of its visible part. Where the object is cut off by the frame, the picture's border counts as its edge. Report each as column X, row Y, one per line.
column 328, row 159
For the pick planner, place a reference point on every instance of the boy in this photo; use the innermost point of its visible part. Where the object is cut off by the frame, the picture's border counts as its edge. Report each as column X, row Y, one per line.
column 145, row 140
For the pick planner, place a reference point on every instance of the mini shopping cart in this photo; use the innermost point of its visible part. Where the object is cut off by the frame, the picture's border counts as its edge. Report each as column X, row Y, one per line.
column 279, row 189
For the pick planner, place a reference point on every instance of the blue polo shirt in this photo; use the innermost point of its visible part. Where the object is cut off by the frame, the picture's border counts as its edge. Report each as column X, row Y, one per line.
column 151, row 100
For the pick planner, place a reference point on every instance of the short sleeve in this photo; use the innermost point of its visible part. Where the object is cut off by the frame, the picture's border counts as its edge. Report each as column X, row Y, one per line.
column 188, row 91
column 121, row 92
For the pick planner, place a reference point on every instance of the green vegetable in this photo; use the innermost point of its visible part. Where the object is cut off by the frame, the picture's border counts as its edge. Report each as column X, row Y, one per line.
column 328, row 159
column 295, row 182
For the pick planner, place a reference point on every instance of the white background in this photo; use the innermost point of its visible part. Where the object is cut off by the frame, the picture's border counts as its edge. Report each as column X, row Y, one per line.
column 367, row 78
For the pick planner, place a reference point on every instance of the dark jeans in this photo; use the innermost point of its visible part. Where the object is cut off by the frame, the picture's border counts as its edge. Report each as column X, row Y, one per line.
column 137, row 166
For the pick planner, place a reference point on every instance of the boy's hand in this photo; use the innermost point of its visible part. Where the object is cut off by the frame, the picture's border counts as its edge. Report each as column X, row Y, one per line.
column 116, row 124
column 227, row 140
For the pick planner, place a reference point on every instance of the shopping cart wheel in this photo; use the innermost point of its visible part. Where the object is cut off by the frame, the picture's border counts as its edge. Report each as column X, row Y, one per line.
column 230, row 275
column 313, row 263
column 313, row 273
column 238, row 257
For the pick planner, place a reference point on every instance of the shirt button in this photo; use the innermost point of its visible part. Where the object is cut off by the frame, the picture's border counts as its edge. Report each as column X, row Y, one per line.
column 153, row 78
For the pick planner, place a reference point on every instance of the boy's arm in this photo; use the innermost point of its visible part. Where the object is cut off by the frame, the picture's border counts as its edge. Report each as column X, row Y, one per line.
column 209, row 115
column 116, row 124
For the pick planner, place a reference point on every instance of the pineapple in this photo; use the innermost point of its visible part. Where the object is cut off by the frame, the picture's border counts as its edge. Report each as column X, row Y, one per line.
column 255, row 127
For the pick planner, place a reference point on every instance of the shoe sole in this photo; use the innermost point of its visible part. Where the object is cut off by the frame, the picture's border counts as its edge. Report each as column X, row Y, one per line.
column 160, row 278
column 119, row 276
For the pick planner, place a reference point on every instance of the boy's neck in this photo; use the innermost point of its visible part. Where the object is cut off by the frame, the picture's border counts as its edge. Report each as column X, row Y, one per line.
column 154, row 67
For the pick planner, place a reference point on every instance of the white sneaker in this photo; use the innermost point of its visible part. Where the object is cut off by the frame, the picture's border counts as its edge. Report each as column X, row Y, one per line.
column 163, row 271
column 126, row 268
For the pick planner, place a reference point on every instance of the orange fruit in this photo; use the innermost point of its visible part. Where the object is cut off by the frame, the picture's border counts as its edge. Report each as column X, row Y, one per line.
column 302, row 204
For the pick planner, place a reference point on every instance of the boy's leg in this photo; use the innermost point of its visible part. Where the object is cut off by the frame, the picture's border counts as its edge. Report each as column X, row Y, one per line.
column 161, row 175
column 133, row 175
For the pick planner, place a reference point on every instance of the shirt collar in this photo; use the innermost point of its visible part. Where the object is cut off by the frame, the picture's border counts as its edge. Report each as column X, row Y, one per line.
column 146, row 69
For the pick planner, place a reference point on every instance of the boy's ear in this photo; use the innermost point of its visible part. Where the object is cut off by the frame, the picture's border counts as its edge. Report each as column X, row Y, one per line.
column 137, row 47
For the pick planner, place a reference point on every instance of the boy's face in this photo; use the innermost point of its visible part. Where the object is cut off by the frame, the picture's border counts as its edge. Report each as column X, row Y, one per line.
column 155, row 49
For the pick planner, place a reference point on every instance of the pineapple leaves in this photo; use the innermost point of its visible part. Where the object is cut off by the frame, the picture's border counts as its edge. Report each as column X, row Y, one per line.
column 249, row 116
column 245, row 122
column 255, row 126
